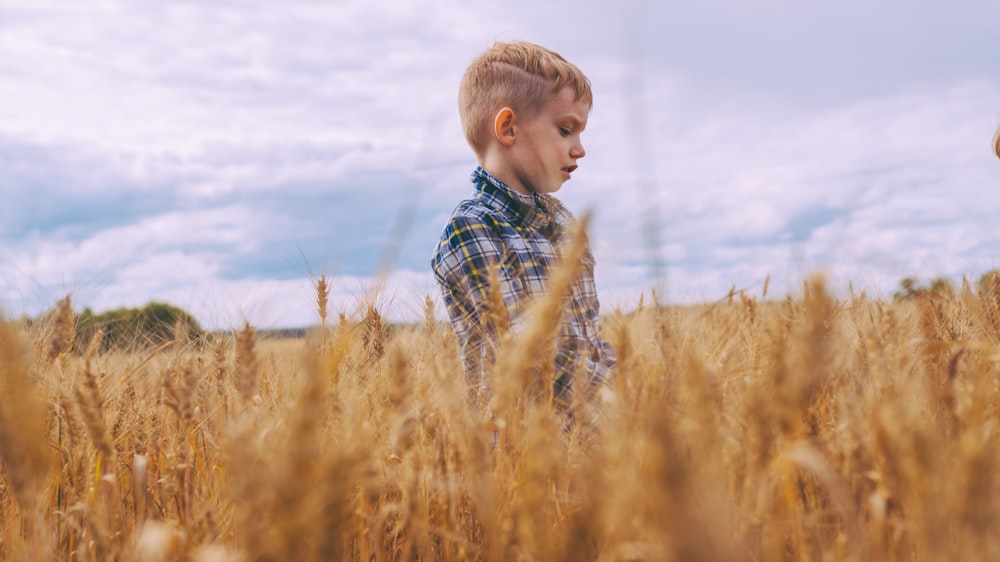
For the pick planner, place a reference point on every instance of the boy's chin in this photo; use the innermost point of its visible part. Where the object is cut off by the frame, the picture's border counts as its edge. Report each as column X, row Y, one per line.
column 554, row 187
column 541, row 188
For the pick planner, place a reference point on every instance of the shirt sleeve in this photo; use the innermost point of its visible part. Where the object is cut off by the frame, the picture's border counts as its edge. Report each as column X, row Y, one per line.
column 595, row 366
column 582, row 353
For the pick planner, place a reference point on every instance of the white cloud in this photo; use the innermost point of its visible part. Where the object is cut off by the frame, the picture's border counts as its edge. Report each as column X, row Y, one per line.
column 197, row 152
column 880, row 188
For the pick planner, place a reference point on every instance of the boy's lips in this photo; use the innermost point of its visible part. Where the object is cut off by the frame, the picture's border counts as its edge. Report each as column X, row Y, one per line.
column 569, row 169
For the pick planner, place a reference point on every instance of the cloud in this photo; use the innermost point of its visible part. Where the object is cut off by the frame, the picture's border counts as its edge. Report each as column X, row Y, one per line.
column 776, row 192
column 216, row 154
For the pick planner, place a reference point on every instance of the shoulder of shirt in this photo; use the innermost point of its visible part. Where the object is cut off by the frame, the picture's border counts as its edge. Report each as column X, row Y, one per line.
column 558, row 210
column 474, row 211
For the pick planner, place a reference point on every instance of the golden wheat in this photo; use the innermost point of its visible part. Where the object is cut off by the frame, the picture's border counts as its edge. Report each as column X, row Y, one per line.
column 996, row 142
column 809, row 428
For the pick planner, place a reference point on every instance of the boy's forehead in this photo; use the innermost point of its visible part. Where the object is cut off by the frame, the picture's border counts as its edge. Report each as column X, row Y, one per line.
column 567, row 101
column 566, row 104
column 574, row 119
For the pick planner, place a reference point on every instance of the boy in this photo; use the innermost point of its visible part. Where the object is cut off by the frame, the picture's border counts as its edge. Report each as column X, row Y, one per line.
column 523, row 108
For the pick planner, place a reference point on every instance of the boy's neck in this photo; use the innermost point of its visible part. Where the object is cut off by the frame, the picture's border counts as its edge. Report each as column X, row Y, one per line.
column 497, row 167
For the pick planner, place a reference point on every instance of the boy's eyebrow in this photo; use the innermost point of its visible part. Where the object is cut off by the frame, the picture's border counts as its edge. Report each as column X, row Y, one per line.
column 574, row 120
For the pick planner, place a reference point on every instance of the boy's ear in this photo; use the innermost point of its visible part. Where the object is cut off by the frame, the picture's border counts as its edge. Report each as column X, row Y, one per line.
column 503, row 126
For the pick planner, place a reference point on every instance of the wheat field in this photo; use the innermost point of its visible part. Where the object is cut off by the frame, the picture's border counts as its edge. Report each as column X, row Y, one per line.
column 751, row 429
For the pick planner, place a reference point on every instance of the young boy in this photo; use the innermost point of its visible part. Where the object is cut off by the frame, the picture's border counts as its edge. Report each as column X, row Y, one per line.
column 523, row 108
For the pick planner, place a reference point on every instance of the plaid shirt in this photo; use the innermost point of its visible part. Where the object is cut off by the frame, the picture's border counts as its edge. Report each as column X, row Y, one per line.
column 518, row 235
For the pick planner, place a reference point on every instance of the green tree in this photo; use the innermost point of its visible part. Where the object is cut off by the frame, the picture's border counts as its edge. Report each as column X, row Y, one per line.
column 909, row 288
column 130, row 328
column 942, row 287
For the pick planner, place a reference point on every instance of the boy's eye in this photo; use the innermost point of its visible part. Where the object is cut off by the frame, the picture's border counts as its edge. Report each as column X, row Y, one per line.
column 565, row 132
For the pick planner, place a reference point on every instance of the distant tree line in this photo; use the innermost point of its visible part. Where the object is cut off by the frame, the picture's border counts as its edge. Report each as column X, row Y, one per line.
column 128, row 328
column 910, row 288
column 131, row 328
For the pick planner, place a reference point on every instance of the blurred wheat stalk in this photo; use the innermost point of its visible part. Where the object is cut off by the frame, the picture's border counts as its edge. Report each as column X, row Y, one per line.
column 996, row 142
column 801, row 429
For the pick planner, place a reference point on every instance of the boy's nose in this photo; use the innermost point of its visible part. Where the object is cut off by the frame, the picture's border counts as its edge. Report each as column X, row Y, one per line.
column 578, row 151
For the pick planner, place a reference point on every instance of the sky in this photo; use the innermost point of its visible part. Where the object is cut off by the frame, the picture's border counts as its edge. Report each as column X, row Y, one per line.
column 220, row 156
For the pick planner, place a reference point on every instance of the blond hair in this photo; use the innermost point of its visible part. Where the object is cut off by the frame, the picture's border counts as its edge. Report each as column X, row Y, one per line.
column 519, row 75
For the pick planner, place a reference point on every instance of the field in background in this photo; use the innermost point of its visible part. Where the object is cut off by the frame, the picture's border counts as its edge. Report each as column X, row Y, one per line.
column 801, row 429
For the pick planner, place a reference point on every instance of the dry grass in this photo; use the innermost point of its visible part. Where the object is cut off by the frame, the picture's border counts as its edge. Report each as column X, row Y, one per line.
column 805, row 429
column 996, row 142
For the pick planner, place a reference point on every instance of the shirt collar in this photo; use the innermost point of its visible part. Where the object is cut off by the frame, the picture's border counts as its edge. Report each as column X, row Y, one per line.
column 529, row 210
